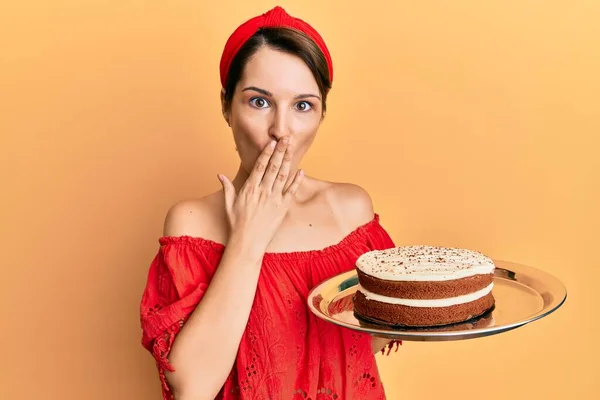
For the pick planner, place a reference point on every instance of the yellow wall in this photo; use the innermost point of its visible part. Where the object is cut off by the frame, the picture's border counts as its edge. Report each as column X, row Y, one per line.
column 471, row 123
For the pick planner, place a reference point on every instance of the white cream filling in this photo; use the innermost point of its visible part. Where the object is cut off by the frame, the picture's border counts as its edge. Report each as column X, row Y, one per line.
column 450, row 301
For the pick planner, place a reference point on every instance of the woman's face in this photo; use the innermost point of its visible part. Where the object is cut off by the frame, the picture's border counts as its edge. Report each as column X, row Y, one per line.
column 276, row 96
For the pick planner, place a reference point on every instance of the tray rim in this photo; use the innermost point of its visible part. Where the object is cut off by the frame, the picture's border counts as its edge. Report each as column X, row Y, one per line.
column 553, row 300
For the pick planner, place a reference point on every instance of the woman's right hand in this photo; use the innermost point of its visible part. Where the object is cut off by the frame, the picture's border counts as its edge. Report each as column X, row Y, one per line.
column 256, row 212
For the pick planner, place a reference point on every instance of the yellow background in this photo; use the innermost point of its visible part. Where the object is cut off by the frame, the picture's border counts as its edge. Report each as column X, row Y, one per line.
column 471, row 123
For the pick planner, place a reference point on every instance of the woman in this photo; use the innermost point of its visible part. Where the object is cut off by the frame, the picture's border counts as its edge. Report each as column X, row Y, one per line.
column 224, row 311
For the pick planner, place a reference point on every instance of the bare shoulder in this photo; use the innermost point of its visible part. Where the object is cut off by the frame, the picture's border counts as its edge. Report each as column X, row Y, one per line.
column 202, row 218
column 351, row 203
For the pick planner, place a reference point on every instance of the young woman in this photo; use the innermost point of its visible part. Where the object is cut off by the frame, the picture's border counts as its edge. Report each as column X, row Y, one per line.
column 224, row 311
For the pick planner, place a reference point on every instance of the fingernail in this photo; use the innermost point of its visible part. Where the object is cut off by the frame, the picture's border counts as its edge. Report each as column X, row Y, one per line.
column 272, row 144
column 286, row 140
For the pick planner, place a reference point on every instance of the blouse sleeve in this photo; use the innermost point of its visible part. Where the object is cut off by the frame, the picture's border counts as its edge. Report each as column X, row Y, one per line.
column 379, row 239
column 177, row 280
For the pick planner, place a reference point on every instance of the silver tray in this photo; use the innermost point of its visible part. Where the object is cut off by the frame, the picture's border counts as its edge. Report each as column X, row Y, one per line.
column 523, row 294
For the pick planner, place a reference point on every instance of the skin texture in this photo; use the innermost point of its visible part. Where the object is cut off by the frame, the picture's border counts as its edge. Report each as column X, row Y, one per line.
column 269, row 206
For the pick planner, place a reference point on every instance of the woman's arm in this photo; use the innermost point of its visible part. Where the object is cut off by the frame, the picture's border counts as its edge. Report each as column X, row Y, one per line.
column 204, row 350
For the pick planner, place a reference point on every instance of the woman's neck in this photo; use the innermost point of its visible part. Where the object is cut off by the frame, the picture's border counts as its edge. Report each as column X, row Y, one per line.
column 240, row 178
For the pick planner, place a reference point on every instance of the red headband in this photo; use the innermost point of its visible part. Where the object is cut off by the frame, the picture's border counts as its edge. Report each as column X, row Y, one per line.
column 276, row 17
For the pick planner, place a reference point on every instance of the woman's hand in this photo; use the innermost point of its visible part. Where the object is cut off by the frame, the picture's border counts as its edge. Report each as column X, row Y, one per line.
column 256, row 212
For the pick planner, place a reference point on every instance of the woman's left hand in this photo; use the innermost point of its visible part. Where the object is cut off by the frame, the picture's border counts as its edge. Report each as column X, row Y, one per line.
column 379, row 343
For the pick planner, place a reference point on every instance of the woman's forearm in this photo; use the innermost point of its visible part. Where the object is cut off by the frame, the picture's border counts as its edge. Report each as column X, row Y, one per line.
column 204, row 351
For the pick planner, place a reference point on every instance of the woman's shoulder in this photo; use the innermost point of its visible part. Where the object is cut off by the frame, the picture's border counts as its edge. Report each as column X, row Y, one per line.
column 199, row 217
column 356, row 213
column 351, row 204
column 348, row 203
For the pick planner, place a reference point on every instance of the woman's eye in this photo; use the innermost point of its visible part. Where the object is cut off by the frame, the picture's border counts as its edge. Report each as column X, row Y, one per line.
column 259, row 102
column 304, row 106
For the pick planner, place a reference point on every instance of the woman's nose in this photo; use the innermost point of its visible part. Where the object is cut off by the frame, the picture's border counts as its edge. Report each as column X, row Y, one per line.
column 279, row 126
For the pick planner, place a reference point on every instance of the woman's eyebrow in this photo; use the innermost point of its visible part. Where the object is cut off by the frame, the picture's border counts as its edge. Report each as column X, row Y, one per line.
column 259, row 90
column 304, row 96
column 267, row 93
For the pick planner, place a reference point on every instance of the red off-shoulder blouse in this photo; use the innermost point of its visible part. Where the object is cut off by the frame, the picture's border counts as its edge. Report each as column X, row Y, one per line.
column 285, row 352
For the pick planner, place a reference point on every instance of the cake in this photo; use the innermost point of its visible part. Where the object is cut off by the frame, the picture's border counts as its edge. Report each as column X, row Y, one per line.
column 423, row 286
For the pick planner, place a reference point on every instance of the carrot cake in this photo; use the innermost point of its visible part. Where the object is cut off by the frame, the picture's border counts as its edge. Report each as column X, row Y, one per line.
column 423, row 286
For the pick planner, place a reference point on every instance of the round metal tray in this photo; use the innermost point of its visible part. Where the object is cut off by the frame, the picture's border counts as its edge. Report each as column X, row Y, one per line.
column 523, row 294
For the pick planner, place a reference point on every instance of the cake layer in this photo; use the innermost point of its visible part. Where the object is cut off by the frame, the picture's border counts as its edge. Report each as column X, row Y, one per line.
column 395, row 314
column 424, row 289
column 424, row 263
column 449, row 301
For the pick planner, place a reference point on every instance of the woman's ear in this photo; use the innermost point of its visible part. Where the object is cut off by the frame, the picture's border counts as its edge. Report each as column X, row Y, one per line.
column 225, row 107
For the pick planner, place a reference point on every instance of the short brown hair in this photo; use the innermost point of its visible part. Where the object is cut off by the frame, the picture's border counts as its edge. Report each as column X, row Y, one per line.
column 287, row 40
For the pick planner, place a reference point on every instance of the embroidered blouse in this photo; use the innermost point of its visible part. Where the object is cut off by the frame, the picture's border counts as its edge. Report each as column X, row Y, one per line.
column 285, row 352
